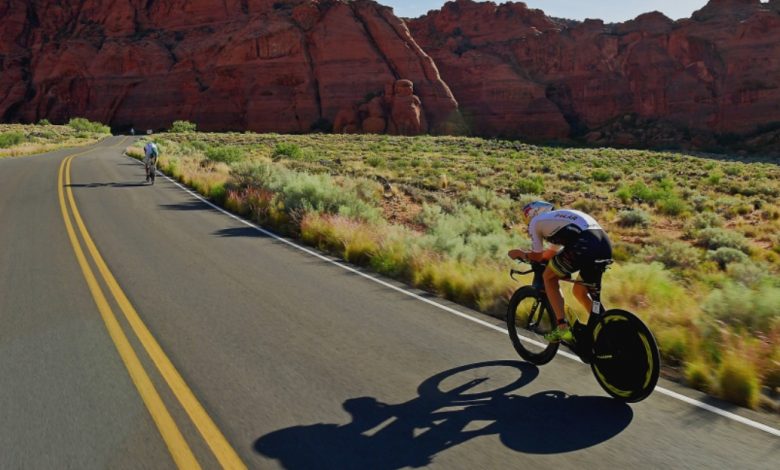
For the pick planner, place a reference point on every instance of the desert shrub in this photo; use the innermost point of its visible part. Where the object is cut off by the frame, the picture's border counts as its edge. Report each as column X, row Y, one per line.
column 395, row 254
column 9, row 139
column 673, row 343
column 304, row 192
column 652, row 292
column 485, row 198
column 217, row 193
column 589, row 206
column 601, row 176
column 672, row 205
column 706, row 220
column 634, row 218
column 673, row 254
column 737, row 305
column 288, row 149
column 749, row 274
column 640, row 192
column 84, row 125
column 225, row 154
column 714, row 238
column 44, row 122
column 532, row 185
column 698, row 375
column 252, row 173
column 182, row 126
column 738, row 381
column 376, row 161
column 466, row 234
column 725, row 256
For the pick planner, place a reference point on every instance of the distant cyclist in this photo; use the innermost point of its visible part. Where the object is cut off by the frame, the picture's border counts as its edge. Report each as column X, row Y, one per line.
column 151, row 152
column 583, row 242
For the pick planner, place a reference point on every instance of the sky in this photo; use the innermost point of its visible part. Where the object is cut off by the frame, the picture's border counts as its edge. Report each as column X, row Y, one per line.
column 607, row 10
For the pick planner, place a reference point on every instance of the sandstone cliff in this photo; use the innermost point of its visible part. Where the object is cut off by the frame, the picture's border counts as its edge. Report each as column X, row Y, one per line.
column 649, row 81
column 251, row 64
column 287, row 65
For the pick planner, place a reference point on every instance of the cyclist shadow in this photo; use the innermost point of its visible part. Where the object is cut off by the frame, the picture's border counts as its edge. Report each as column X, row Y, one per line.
column 451, row 409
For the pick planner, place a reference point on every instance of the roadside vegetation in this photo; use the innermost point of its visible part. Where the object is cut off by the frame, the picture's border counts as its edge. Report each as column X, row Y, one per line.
column 27, row 139
column 696, row 238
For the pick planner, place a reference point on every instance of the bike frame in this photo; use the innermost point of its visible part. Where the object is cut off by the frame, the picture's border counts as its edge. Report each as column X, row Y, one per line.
column 594, row 290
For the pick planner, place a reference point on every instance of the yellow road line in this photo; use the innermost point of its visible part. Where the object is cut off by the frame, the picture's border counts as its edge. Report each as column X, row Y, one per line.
column 180, row 451
column 222, row 450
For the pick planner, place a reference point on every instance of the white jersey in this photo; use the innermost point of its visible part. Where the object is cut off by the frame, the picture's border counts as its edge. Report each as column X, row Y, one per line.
column 547, row 224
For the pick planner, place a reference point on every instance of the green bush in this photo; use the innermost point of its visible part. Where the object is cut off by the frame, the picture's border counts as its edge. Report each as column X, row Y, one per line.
column 532, row 185
column 672, row 205
column 376, row 161
column 698, row 375
column 84, row 125
column 714, row 238
column 182, row 126
column 737, row 305
column 673, row 254
column 673, row 343
column 288, row 150
column 225, row 154
column 44, row 122
column 9, row 139
column 725, row 256
column 738, row 382
column 706, row 220
column 634, row 218
column 601, row 176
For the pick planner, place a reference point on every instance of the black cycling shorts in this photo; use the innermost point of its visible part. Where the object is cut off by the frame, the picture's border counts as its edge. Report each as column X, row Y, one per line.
column 581, row 255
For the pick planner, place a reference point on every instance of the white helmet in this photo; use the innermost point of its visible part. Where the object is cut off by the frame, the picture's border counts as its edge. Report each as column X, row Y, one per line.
column 532, row 209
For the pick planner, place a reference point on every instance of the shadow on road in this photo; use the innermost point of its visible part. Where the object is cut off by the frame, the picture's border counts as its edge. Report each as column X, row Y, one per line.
column 129, row 184
column 240, row 232
column 188, row 206
column 453, row 407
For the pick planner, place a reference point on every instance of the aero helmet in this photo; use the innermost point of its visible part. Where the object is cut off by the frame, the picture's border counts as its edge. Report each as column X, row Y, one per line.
column 532, row 209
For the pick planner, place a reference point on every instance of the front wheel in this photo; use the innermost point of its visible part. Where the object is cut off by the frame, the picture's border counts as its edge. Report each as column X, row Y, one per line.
column 626, row 361
column 528, row 318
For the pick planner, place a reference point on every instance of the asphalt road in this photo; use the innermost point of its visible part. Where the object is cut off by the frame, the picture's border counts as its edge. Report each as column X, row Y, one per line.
column 273, row 358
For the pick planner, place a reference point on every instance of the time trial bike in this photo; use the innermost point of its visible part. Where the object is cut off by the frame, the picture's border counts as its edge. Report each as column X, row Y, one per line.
column 619, row 347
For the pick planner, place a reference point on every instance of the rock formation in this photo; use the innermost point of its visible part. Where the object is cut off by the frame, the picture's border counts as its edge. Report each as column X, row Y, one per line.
column 406, row 115
column 515, row 71
column 375, row 121
column 253, row 64
column 284, row 65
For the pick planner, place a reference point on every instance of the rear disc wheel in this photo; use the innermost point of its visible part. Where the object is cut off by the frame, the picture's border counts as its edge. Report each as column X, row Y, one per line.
column 626, row 361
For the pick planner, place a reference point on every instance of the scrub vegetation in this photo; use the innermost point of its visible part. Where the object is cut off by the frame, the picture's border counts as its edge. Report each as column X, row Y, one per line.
column 696, row 238
column 20, row 139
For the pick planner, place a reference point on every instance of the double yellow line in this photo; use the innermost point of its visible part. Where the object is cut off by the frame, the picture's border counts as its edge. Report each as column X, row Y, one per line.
column 177, row 445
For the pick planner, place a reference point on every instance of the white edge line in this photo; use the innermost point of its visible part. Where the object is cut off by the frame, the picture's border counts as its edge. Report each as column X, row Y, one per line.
column 662, row 390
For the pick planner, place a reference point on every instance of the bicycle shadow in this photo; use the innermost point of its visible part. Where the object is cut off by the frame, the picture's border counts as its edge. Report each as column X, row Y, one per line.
column 450, row 410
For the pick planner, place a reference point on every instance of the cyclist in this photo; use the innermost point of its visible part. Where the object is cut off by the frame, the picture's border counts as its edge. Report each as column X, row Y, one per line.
column 151, row 152
column 583, row 242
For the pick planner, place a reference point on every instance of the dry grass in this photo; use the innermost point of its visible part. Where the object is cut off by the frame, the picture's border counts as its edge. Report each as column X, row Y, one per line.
column 46, row 138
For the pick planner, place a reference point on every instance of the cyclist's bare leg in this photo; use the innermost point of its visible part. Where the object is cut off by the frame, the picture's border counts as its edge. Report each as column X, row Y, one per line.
column 552, row 287
column 583, row 296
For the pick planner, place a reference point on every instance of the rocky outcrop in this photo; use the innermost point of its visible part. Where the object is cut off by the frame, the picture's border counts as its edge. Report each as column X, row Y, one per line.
column 398, row 111
column 251, row 64
column 516, row 71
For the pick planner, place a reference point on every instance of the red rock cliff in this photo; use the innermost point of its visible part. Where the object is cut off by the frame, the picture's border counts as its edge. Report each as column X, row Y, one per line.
column 252, row 64
column 284, row 65
column 514, row 70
